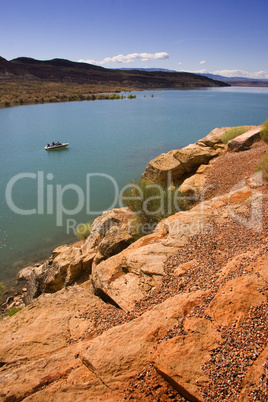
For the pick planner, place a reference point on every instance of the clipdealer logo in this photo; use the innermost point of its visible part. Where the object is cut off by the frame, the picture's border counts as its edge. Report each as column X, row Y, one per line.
column 51, row 198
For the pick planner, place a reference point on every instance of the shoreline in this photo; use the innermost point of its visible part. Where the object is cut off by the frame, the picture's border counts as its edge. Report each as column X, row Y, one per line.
column 79, row 94
column 15, row 287
column 74, row 97
column 177, row 314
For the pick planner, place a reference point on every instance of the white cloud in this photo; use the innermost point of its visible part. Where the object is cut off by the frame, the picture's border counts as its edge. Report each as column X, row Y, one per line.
column 242, row 73
column 179, row 63
column 203, row 62
column 129, row 58
column 89, row 61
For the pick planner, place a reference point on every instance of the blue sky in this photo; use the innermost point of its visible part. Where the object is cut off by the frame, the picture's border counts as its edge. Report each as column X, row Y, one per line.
column 223, row 37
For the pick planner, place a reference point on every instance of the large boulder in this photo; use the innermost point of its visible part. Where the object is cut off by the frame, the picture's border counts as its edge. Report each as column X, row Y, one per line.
column 110, row 233
column 30, row 277
column 214, row 138
column 164, row 168
column 194, row 185
column 175, row 165
column 194, row 155
column 65, row 266
column 68, row 264
column 127, row 277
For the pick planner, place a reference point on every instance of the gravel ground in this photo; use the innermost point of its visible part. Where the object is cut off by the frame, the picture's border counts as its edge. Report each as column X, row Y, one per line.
column 231, row 168
column 211, row 251
column 229, row 362
column 149, row 386
column 240, row 348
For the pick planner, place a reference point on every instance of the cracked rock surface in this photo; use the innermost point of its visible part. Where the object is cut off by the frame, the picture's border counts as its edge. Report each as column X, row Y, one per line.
column 189, row 319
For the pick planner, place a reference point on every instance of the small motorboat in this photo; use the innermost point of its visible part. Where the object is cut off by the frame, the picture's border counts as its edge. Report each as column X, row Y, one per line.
column 58, row 145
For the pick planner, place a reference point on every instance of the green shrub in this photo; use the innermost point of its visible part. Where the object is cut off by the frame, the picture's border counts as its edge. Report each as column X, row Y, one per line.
column 80, row 96
column 264, row 166
column 131, row 96
column 151, row 203
column 13, row 310
column 264, row 132
column 83, row 230
column 114, row 96
column 232, row 133
column 2, row 288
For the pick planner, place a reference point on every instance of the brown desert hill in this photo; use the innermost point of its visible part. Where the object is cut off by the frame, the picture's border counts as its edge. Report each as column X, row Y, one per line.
column 185, row 313
column 8, row 70
column 28, row 81
column 65, row 70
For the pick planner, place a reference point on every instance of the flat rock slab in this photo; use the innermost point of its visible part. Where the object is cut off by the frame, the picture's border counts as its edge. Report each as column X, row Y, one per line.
column 244, row 141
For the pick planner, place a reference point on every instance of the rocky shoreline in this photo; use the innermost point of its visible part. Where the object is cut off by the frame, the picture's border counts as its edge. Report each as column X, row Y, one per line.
column 180, row 314
column 111, row 233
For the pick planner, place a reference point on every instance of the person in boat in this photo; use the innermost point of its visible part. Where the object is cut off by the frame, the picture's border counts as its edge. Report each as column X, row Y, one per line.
column 48, row 145
column 53, row 143
column 58, row 143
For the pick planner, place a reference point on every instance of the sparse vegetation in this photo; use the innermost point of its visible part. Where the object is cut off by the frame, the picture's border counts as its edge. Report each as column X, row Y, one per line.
column 264, row 166
column 264, row 132
column 2, row 288
column 23, row 92
column 114, row 96
column 131, row 96
column 13, row 310
column 83, row 230
column 151, row 203
column 232, row 133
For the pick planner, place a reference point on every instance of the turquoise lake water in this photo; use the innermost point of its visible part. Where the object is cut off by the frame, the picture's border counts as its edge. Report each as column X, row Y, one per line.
column 45, row 194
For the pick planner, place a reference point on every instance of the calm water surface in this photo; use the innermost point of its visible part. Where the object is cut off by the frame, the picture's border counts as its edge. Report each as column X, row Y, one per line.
column 111, row 143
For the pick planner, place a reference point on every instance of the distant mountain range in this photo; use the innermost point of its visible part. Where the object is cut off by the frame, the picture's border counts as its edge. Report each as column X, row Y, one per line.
column 151, row 69
column 239, row 81
column 235, row 81
column 60, row 70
